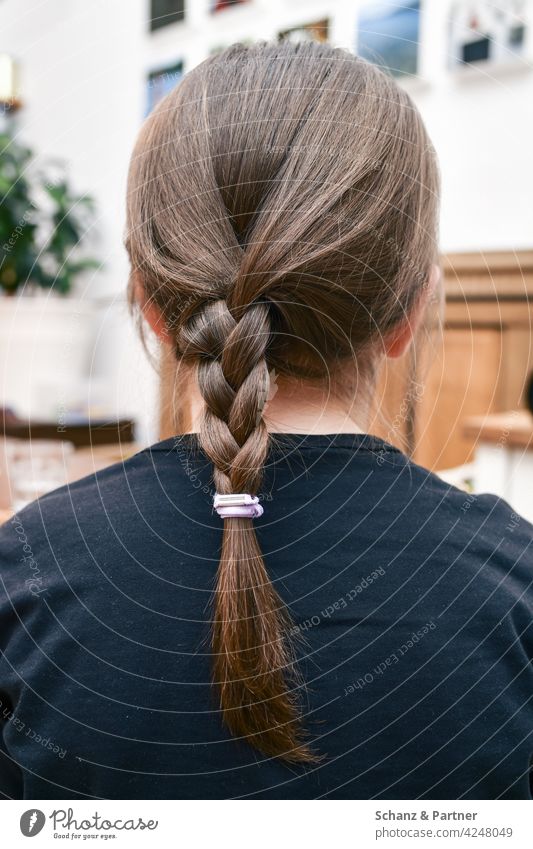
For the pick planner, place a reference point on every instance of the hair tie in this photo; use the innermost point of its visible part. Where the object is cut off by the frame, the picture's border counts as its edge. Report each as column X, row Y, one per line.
column 237, row 506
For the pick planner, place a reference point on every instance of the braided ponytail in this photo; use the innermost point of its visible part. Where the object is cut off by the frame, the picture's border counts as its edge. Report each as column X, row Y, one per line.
column 282, row 206
column 252, row 664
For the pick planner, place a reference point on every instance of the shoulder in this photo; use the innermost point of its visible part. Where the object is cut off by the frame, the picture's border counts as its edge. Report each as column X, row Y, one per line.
column 111, row 481
column 483, row 531
column 55, row 505
column 491, row 513
column 104, row 500
column 68, row 518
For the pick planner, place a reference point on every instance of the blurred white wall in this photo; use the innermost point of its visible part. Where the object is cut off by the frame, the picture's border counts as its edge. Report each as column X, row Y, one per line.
column 481, row 122
column 83, row 86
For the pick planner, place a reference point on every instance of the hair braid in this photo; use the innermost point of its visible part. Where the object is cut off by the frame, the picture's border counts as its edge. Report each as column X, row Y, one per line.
column 232, row 376
column 252, row 662
column 282, row 214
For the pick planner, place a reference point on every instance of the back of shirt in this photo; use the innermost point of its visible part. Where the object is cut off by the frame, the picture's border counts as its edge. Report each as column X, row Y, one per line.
column 412, row 625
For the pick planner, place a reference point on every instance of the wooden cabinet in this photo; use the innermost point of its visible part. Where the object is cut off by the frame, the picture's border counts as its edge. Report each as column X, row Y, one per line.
column 462, row 381
column 481, row 362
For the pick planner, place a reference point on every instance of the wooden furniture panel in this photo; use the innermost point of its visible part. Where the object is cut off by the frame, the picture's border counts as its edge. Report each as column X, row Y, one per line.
column 485, row 356
column 461, row 382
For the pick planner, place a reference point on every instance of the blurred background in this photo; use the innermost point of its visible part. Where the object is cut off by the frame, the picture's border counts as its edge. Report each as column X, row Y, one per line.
column 76, row 81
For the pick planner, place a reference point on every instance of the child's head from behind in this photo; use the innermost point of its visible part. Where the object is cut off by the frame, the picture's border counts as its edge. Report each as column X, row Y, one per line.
column 282, row 214
column 297, row 177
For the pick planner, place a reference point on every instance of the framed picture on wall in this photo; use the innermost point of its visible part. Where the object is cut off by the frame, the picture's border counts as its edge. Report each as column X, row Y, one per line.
column 487, row 31
column 220, row 5
column 165, row 12
column 315, row 31
column 160, row 82
column 388, row 34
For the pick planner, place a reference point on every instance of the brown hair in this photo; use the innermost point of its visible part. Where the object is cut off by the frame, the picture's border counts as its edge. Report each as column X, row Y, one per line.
column 282, row 213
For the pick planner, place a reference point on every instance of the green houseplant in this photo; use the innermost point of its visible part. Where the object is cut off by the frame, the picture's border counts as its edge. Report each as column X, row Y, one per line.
column 18, row 253
column 42, row 225
column 45, row 341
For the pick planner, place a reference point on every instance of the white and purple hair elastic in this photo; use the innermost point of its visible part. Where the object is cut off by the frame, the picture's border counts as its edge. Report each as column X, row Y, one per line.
column 237, row 506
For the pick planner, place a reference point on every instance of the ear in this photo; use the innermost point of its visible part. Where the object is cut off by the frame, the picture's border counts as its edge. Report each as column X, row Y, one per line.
column 151, row 312
column 397, row 342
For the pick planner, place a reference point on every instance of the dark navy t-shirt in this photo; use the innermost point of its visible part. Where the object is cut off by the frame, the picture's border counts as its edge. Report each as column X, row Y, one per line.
column 412, row 609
